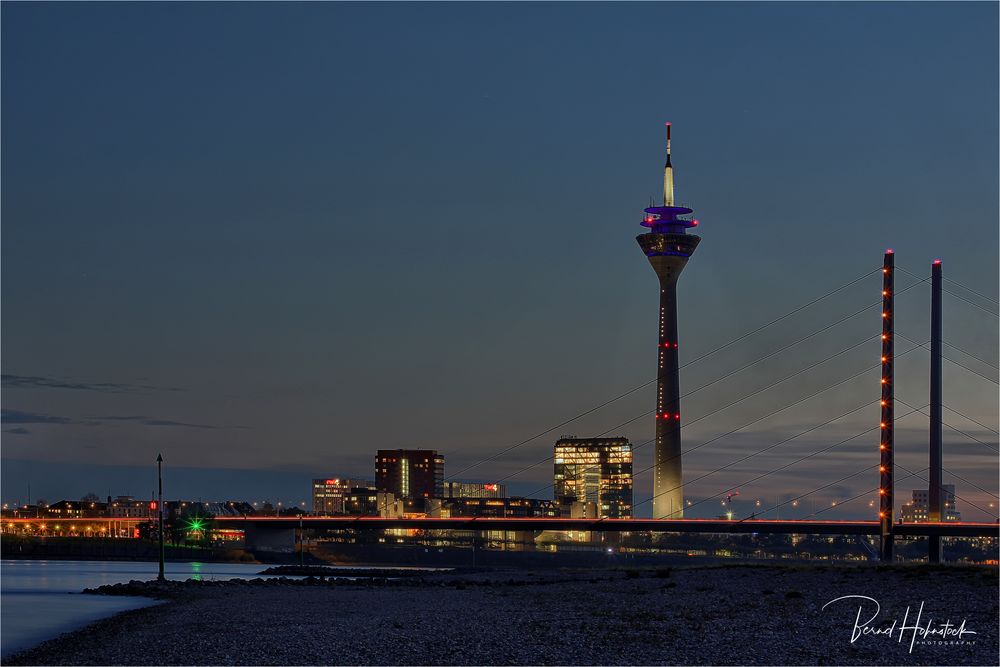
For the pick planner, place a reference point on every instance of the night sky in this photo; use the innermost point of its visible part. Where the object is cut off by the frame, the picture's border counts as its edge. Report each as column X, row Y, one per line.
column 268, row 239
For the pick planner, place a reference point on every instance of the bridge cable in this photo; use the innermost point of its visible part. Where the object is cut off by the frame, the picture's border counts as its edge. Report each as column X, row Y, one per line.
column 947, row 358
column 727, row 375
column 765, row 417
column 853, row 498
column 713, row 412
column 715, row 439
column 957, row 296
column 979, row 294
column 991, row 430
column 964, row 500
column 971, row 303
column 693, row 361
column 969, row 289
column 797, row 498
column 819, row 488
column 797, row 461
column 970, row 437
column 969, row 354
column 972, row 484
column 750, row 456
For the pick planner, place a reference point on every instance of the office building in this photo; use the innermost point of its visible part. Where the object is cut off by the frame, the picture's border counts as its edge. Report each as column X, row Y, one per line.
column 328, row 494
column 474, row 490
column 916, row 511
column 127, row 507
column 510, row 508
column 410, row 473
column 595, row 470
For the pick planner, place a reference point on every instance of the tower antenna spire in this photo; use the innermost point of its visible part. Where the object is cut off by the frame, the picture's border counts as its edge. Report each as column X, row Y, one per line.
column 668, row 175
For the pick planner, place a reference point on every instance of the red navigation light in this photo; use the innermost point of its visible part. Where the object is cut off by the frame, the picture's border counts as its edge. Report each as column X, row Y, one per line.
column 937, row 261
column 888, row 251
column 694, row 223
column 668, row 123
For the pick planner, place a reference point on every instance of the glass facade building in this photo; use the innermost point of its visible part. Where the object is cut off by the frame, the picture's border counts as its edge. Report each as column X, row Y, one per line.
column 595, row 470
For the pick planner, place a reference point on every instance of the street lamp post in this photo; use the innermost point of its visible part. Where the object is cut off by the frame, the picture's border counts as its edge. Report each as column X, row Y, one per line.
column 159, row 508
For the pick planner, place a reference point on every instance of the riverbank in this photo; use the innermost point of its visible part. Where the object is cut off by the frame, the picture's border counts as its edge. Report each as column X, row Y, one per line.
column 699, row 615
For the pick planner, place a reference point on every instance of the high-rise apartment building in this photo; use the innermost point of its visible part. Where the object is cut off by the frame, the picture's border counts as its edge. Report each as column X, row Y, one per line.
column 410, row 473
column 596, row 470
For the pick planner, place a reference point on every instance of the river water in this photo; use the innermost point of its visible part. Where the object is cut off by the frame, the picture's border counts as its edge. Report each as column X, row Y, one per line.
column 41, row 599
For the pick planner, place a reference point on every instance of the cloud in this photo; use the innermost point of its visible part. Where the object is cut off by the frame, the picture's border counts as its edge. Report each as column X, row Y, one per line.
column 17, row 431
column 153, row 421
column 24, row 417
column 36, row 382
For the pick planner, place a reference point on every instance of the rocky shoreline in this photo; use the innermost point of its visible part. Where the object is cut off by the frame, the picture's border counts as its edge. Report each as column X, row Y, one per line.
column 697, row 615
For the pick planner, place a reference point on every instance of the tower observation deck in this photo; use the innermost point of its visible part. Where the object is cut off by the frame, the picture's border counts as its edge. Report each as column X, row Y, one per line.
column 668, row 246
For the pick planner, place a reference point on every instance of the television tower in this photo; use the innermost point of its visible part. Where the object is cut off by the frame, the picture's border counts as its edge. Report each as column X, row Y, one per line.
column 668, row 246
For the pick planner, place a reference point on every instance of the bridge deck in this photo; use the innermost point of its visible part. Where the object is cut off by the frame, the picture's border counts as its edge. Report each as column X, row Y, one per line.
column 952, row 529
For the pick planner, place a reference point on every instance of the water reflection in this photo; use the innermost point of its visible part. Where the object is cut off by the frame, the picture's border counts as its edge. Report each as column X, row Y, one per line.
column 40, row 599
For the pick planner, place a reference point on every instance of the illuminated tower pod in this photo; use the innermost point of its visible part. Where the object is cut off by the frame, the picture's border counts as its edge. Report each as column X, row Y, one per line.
column 886, row 424
column 668, row 246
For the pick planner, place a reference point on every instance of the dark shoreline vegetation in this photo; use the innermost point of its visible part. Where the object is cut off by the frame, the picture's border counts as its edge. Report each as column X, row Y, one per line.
column 342, row 571
column 721, row 614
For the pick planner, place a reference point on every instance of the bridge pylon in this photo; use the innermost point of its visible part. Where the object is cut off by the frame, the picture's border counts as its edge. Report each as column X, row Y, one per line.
column 885, row 467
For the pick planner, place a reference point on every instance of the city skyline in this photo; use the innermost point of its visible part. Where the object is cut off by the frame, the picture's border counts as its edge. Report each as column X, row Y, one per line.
column 210, row 270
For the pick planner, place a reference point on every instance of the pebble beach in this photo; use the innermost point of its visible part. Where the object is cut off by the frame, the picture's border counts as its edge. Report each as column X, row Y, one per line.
column 725, row 615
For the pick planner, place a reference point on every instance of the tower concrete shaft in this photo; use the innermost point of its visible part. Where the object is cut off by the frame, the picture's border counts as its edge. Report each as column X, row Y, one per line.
column 668, row 480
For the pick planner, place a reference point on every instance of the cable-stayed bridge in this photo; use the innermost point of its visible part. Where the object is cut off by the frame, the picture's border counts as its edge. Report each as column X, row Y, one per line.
column 882, row 521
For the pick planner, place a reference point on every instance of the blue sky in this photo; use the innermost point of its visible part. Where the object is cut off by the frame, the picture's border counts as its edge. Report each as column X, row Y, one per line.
column 268, row 239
